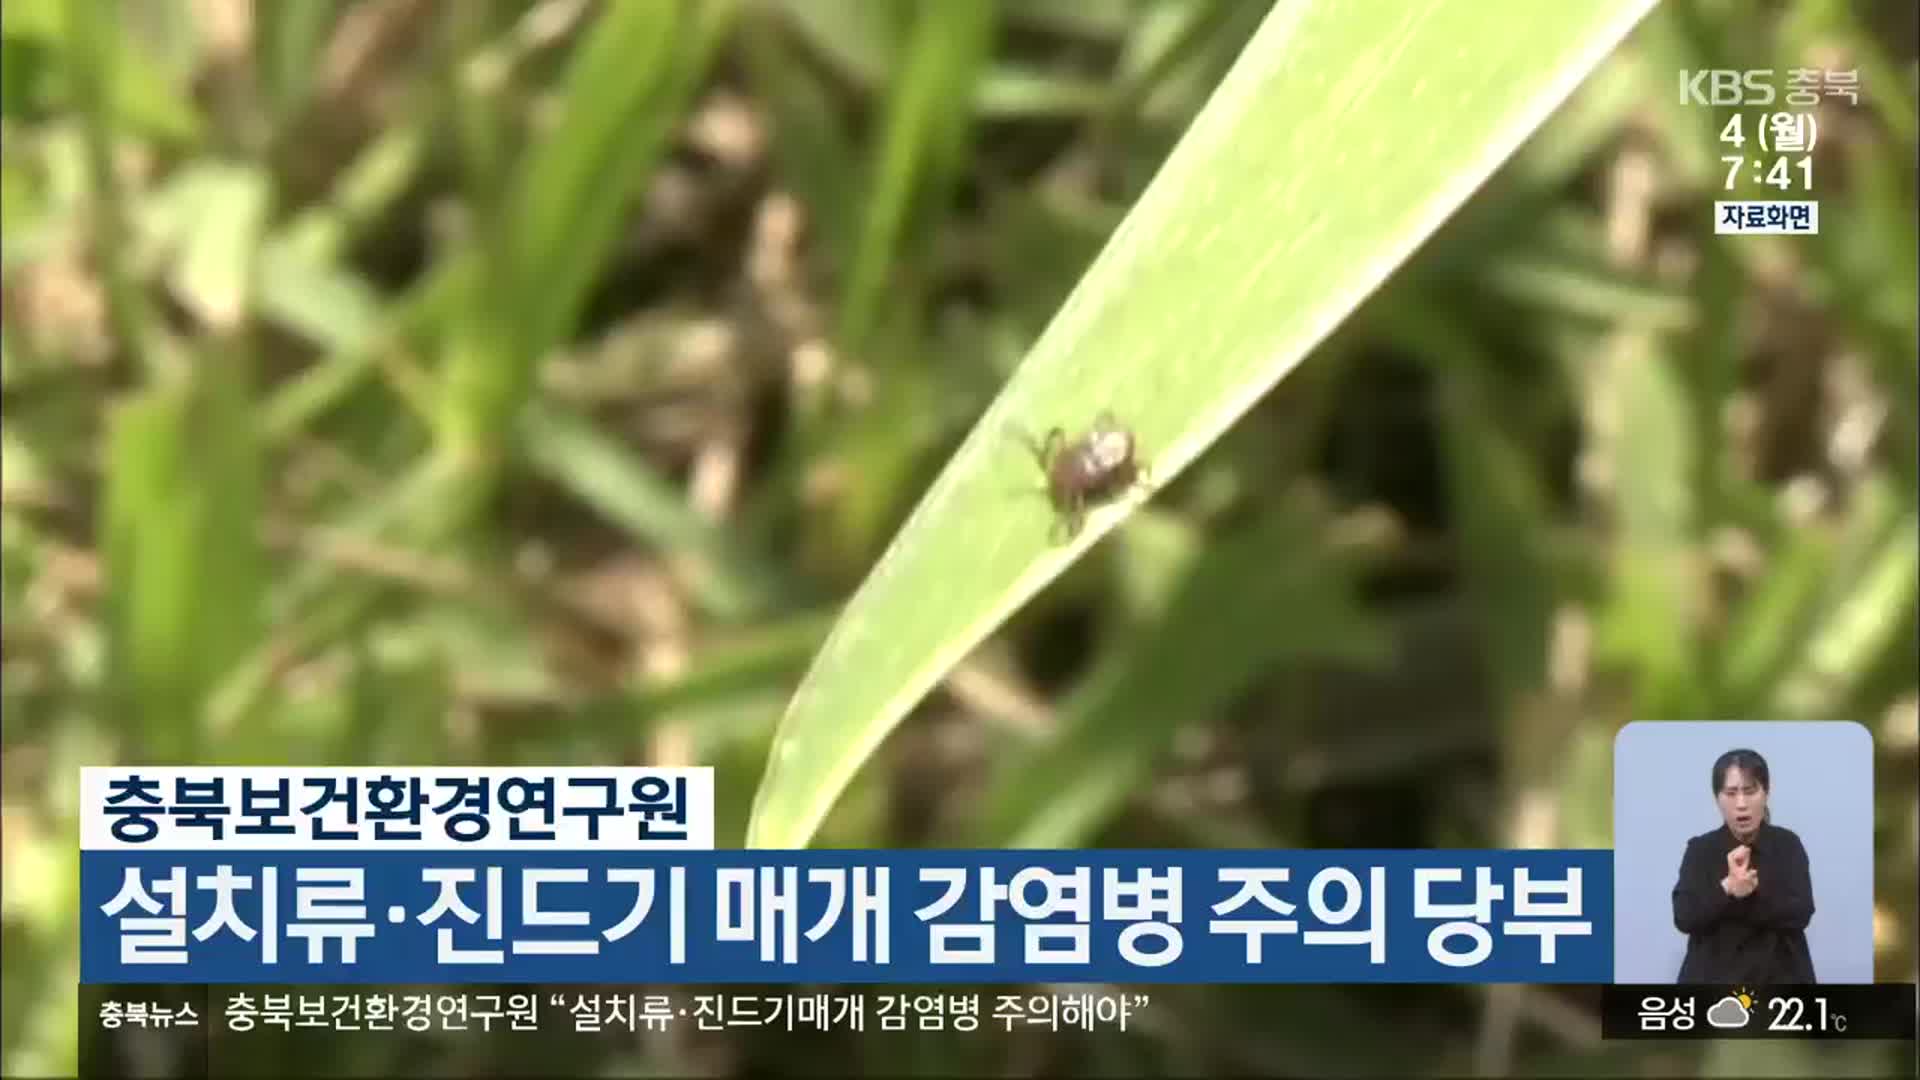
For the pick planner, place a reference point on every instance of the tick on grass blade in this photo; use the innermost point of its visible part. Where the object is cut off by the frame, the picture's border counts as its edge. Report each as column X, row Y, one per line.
column 1089, row 471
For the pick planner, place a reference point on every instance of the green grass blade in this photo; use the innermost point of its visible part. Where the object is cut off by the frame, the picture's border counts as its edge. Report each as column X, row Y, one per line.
column 1862, row 614
column 1216, row 635
column 1772, row 626
column 1319, row 165
column 98, row 73
column 601, row 473
column 810, row 142
column 1649, row 624
column 223, row 212
column 920, row 155
column 855, row 37
column 1495, row 491
column 749, row 664
column 185, row 574
column 290, row 40
column 626, row 88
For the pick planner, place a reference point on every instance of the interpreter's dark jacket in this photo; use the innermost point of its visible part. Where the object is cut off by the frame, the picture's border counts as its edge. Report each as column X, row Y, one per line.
column 1756, row 940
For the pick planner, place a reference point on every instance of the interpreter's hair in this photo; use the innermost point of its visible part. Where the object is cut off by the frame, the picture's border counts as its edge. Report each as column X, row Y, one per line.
column 1749, row 762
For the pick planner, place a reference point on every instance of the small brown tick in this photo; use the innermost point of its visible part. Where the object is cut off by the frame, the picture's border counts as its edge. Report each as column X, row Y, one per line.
column 1085, row 472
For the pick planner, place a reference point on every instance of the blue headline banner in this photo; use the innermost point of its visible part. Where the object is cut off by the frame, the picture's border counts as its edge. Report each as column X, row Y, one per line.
column 399, row 916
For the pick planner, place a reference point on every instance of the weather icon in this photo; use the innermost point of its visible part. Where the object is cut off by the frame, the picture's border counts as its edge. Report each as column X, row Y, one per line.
column 1732, row 1011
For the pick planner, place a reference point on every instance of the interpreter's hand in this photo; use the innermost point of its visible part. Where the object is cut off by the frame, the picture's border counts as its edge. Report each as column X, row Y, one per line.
column 1739, row 859
column 1740, row 884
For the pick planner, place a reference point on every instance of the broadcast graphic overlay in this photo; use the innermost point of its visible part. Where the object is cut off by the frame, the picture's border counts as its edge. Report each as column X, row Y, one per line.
column 1019, row 541
column 1743, row 884
column 227, row 904
column 1767, row 142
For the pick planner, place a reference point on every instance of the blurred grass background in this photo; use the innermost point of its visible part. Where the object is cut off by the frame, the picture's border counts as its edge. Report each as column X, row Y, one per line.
column 433, row 383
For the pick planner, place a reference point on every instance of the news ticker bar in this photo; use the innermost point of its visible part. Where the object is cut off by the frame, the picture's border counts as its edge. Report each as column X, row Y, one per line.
column 217, row 1030
column 182, row 1029
column 1820, row 1012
